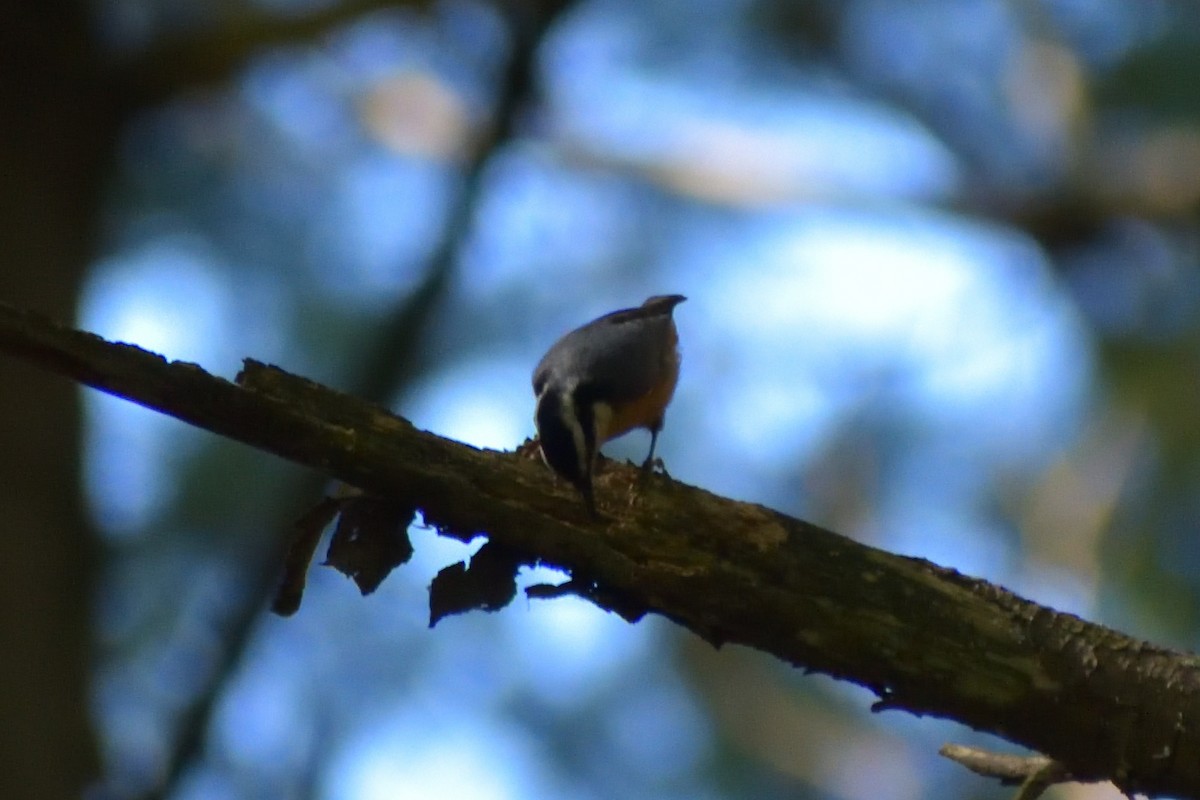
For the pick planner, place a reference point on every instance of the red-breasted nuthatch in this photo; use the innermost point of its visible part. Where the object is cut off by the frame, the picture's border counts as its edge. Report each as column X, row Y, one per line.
column 602, row 380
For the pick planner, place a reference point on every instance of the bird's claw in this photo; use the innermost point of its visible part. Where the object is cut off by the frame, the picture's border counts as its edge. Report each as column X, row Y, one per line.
column 652, row 465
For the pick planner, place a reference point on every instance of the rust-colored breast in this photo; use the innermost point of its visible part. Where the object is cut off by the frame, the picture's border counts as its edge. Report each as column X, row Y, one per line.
column 647, row 411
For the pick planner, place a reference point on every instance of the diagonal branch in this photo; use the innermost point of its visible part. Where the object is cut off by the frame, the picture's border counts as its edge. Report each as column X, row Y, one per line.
column 212, row 55
column 925, row 639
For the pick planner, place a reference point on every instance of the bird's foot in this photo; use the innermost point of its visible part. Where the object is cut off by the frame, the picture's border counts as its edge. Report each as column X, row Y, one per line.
column 652, row 465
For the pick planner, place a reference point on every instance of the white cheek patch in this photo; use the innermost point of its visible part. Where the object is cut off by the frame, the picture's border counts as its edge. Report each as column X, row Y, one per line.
column 541, row 452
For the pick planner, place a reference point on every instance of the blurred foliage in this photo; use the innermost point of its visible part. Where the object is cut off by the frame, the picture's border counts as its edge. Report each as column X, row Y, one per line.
column 1155, row 80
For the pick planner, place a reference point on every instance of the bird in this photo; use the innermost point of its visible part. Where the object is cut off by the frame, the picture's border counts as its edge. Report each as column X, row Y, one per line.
column 602, row 380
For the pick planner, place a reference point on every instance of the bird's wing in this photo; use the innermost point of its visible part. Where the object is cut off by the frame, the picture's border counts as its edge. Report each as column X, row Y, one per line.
column 617, row 357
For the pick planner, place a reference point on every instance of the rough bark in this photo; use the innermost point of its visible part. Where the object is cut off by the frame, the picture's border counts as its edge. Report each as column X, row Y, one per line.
column 925, row 639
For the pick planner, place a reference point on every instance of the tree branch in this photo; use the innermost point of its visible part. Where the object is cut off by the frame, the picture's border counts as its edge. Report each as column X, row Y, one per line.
column 925, row 639
column 392, row 358
column 1035, row 774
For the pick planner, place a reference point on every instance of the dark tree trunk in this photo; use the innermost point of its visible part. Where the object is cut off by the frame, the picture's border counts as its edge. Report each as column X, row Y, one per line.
column 55, row 141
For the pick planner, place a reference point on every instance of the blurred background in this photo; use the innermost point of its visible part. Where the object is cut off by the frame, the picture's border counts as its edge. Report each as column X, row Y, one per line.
column 941, row 258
